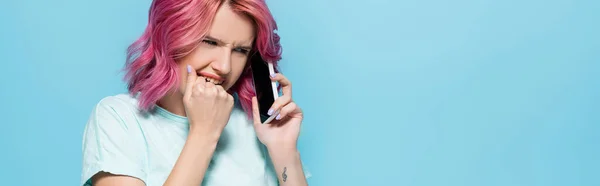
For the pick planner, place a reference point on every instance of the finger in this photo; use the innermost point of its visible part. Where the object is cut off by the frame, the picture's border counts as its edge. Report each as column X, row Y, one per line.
column 287, row 109
column 255, row 113
column 221, row 93
column 229, row 97
column 209, row 88
column 200, row 80
column 279, row 102
column 191, row 79
column 199, row 86
column 285, row 83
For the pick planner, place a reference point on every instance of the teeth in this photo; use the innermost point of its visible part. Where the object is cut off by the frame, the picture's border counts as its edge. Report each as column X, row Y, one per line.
column 213, row 80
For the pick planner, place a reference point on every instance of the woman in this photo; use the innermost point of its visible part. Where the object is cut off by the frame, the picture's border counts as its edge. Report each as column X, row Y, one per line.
column 191, row 117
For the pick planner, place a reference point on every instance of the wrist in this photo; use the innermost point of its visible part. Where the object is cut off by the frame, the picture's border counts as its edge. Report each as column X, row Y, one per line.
column 282, row 145
column 209, row 136
column 281, row 150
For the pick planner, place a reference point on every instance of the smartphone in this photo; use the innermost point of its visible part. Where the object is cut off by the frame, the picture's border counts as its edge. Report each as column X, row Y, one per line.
column 265, row 89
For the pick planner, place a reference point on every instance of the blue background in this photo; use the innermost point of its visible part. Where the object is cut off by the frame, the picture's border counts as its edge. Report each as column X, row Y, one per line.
column 430, row 92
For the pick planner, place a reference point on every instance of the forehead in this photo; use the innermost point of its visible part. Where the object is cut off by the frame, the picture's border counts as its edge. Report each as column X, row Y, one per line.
column 232, row 27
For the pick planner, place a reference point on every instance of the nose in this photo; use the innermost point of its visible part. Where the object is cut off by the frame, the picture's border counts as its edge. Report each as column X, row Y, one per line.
column 222, row 65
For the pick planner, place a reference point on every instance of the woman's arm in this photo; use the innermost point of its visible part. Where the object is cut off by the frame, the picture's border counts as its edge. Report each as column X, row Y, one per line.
column 193, row 160
column 281, row 135
column 288, row 166
column 208, row 108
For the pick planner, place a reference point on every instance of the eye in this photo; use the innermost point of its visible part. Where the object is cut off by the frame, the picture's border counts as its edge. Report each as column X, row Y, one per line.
column 242, row 51
column 209, row 42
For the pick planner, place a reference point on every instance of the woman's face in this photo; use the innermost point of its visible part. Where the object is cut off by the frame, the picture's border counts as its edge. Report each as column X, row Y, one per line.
column 224, row 51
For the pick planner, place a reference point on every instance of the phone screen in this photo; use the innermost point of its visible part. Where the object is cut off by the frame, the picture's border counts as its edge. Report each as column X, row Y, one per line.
column 262, row 85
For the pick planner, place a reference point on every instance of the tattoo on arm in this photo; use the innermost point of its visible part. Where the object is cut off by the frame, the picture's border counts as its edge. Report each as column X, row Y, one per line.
column 283, row 174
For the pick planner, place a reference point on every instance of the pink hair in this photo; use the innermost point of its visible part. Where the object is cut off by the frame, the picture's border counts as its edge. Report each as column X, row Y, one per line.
column 174, row 28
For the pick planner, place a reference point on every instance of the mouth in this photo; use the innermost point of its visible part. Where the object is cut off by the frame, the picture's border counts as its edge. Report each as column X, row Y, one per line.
column 217, row 80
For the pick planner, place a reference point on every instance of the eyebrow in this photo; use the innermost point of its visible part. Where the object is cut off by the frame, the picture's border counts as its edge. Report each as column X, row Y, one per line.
column 221, row 42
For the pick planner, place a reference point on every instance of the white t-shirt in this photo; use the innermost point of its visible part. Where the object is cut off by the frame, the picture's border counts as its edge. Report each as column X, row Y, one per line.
column 121, row 139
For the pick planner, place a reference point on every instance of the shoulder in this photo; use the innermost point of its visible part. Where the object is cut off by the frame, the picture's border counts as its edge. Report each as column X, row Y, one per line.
column 112, row 122
column 114, row 118
column 119, row 101
column 113, row 140
column 115, row 111
column 120, row 104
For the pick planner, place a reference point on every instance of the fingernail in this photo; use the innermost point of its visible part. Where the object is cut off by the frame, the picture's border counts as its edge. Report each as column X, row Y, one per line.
column 270, row 112
column 189, row 68
column 273, row 75
column 278, row 117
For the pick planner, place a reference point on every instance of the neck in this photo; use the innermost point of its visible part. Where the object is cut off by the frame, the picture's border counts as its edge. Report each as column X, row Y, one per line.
column 173, row 102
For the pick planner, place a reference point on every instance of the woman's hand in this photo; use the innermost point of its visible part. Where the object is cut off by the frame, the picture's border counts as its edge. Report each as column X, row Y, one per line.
column 281, row 135
column 283, row 131
column 207, row 106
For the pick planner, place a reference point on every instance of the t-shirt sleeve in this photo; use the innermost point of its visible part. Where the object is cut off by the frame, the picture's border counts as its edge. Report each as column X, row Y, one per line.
column 110, row 144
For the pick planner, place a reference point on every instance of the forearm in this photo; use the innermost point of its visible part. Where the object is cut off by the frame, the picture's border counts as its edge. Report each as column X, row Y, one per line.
column 193, row 160
column 288, row 166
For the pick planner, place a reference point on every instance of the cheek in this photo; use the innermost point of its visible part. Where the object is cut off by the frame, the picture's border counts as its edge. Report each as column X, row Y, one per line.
column 199, row 57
